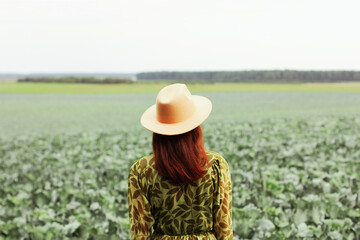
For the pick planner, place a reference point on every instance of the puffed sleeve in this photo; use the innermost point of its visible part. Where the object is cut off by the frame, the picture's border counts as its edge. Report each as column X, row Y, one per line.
column 141, row 220
column 223, row 229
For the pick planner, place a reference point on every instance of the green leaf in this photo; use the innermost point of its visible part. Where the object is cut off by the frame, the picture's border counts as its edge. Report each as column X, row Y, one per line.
column 71, row 227
column 300, row 217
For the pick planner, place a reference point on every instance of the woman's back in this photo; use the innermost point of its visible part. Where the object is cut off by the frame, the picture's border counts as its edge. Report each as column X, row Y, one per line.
column 200, row 210
column 180, row 191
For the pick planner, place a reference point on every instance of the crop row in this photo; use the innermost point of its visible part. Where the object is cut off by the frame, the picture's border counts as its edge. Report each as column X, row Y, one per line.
column 297, row 179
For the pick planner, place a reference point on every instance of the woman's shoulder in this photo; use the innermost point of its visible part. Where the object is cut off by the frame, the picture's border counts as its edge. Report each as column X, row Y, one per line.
column 147, row 163
column 217, row 157
column 142, row 164
column 214, row 155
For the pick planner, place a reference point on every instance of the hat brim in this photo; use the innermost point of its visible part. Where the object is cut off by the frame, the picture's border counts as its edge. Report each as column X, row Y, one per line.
column 203, row 108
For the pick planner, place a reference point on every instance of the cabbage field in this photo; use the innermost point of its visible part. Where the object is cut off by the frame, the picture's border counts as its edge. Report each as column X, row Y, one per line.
column 295, row 164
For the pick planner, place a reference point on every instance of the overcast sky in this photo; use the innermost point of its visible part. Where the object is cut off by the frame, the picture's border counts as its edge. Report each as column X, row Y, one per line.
column 151, row 35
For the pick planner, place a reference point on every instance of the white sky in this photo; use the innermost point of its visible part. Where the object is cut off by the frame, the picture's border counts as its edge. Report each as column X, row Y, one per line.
column 151, row 35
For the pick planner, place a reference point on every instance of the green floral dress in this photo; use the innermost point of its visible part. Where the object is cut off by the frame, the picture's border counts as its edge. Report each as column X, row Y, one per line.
column 160, row 209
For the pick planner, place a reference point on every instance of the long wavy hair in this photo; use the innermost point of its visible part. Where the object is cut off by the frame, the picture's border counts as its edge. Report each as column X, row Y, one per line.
column 180, row 158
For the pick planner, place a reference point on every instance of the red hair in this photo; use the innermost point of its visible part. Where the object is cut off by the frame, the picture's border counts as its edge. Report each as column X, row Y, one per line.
column 180, row 158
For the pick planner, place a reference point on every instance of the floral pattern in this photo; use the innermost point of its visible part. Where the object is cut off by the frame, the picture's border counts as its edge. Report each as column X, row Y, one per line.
column 161, row 209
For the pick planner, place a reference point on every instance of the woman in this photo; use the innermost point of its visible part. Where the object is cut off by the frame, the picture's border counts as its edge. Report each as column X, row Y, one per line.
column 180, row 191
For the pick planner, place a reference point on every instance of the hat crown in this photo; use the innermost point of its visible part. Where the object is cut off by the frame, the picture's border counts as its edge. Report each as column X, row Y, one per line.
column 174, row 104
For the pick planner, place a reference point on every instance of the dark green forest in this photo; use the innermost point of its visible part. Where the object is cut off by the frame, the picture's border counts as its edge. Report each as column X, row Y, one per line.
column 254, row 76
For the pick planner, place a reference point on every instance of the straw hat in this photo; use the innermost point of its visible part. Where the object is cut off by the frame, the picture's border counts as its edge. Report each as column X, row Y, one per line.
column 176, row 111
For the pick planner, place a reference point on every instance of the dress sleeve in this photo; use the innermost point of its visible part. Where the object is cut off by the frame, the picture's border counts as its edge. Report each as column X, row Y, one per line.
column 141, row 220
column 223, row 213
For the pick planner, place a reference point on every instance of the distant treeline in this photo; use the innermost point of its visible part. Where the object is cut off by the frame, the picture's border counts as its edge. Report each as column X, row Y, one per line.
column 254, row 76
column 76, row 80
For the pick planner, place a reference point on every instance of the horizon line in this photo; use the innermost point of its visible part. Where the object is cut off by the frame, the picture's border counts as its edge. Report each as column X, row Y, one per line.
column 137, row 72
